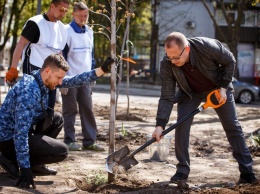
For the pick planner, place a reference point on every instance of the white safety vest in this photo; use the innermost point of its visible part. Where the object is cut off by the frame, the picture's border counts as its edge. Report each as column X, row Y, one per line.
column 53, row 37
column 79, row 55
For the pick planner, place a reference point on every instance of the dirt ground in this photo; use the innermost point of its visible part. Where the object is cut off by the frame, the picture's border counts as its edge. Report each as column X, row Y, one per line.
column 213, row 169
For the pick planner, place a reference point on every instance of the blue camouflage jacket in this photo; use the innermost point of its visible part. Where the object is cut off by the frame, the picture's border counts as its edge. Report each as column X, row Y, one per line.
column 22, row 109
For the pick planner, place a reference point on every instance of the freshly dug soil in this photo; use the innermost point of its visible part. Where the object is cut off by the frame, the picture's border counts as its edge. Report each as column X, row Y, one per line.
column 213, row 169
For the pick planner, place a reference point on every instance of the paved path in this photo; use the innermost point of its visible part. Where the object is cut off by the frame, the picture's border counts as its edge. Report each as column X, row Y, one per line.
column 134, row 90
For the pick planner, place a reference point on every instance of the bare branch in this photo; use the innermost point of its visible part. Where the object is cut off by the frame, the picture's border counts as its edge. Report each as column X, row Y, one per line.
column 99, row 14
column 119, row 26
column 100, row 32
column 101, row 26
column 214, row 21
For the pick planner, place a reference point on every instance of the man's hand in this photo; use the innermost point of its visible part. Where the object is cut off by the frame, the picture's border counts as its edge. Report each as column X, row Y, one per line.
column 106, row 66
column 158, row 133
column 222, row 95
column 26, row 179
column 11, row 75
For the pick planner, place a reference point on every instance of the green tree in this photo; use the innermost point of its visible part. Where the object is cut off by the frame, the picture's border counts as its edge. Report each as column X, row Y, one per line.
column 14, row 18
column 10, row 22
column 19, row 17
column 140, row 28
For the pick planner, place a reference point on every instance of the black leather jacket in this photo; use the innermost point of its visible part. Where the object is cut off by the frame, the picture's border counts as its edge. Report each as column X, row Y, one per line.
column 211, row 58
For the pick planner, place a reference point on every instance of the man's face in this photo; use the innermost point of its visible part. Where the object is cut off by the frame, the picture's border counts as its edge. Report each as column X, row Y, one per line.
column 80, row 17
column 177, row 55
column 60, row 10
column 53, row 78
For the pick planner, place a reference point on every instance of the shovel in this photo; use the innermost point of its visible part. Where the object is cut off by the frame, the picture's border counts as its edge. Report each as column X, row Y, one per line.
column 122, row 160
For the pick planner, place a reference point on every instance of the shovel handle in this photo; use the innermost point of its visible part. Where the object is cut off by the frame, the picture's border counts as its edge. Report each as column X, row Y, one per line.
column 166, row 131
column 207, row 104
column 143, row 146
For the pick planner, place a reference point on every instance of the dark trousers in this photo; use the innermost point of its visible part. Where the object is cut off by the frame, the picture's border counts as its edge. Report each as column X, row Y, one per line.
column 43, row 148
column 28, row 68
column 79, row 99
column 228, row 118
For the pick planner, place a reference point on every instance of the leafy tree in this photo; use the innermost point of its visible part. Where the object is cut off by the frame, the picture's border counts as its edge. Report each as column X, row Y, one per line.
column 13, row 20
column 10, row 23
column 139, row 28
column 19, row 17
column 2, row 13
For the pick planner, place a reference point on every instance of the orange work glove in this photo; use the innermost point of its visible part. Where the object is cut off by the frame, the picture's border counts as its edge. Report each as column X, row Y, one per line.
column 11, row 75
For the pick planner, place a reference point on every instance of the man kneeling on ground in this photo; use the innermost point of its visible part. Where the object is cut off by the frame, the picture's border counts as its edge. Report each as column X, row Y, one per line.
column 29, row 128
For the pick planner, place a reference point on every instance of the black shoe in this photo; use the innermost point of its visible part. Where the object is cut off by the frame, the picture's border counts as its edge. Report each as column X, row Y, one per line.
column 179, row 176
column 43, row 170
column 247, row 178
column 9, row 166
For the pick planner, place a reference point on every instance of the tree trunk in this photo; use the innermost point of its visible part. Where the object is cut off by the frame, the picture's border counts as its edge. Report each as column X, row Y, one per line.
column 3, row 14
column 112, row 120
column 153, row 44
column 15, row 30
column 7, row 32
column 39, row 7
column 232, row 38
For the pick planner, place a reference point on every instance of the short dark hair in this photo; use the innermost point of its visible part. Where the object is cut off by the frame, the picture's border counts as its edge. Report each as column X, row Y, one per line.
column 55, row 62
column 79, row 6
column 176, row 37
column 57, row 2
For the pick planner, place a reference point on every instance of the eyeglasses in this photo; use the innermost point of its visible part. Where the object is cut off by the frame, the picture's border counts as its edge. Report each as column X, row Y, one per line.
column 175, row 58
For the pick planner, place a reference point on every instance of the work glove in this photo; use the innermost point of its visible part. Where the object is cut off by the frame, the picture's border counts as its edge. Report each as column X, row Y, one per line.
column 26, row 179
column 106, row 66
column 11, row 75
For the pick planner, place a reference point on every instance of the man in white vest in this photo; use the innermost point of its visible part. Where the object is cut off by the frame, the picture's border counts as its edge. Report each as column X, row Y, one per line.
column 79, row 52
column 41, row 36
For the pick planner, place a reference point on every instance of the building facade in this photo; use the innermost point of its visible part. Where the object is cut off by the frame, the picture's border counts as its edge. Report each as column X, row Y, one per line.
column 192, row 19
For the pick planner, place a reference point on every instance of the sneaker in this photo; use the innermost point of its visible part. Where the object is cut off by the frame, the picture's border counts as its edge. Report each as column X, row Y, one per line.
column 43, row 170
column 179, row 176
column 94, row 147
column 9, row 166
column 247, row 178
column 74, row 146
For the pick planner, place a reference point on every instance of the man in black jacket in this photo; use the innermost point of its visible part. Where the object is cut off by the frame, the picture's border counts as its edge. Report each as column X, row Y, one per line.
column 199, row 65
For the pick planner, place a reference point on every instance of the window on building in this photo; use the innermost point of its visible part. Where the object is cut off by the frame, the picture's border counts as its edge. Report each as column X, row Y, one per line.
column 258, row 19
column 231, row 16
column 250, row 18
column 220, row 18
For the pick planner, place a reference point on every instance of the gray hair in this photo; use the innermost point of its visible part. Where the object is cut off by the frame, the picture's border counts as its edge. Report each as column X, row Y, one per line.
column 79, row 6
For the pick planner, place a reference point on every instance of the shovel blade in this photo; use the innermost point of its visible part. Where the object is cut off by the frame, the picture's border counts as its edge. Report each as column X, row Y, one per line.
column 120, row 161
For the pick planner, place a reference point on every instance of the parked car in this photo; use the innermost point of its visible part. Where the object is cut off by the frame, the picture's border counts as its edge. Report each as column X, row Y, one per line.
column 245, row 93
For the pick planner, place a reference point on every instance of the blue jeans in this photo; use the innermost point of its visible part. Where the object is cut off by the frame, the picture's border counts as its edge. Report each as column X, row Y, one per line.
column 228, row 118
